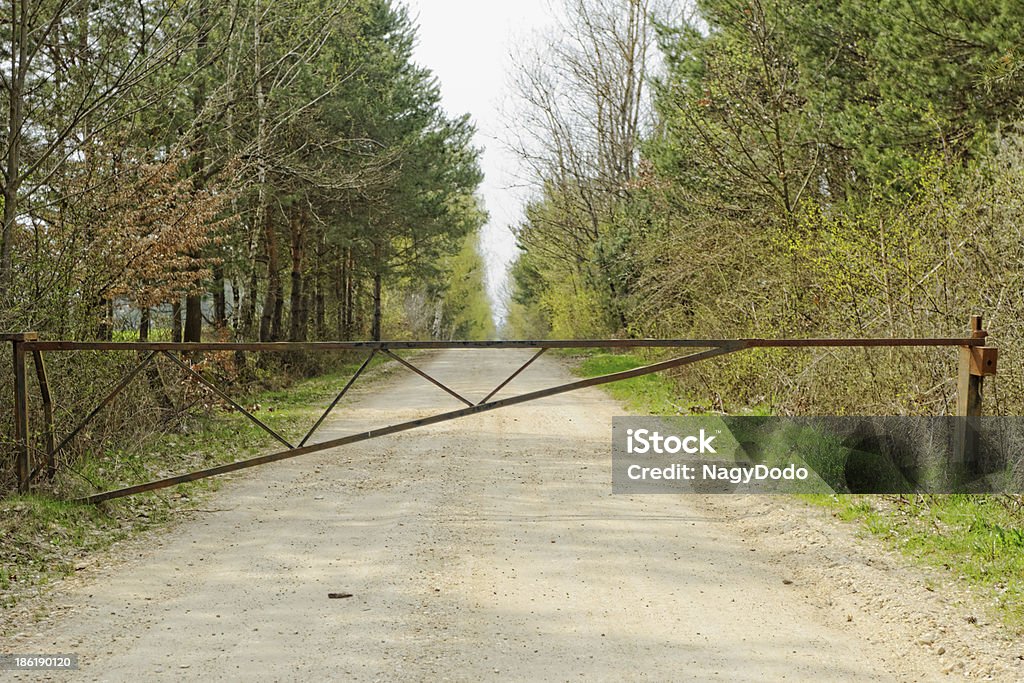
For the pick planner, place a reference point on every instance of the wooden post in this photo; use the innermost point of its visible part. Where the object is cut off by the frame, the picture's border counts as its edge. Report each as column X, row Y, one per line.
column 22, row 466
column 975, row 363
column 969, row 385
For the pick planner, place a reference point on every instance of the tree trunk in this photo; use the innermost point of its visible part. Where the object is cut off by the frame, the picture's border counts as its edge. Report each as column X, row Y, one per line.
column 194, row 302
column 337, row 276
column 7, row 236
column 277, row 324
column 11, row 176
column 356, row 324
column 194, row 318
column 319, row 298
column 274, row 293
column 320, row 307
column 299, row 315
column 248, row 313
column 236, row 303
column 144, row 324
column 105, row 327
column 220, row 303
column 375, row 332
column 176, row 322
column 345, row 297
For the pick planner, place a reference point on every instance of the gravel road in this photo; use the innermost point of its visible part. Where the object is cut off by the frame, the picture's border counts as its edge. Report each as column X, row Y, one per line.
column 491, row 548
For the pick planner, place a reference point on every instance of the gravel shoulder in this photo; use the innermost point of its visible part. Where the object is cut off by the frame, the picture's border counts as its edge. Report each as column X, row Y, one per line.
column 491, row 548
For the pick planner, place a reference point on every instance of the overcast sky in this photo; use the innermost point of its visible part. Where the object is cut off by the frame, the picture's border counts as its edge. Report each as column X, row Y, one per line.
column 467, row 43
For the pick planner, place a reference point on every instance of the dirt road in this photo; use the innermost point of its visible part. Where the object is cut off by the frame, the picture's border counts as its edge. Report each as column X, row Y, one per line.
column 488, row 548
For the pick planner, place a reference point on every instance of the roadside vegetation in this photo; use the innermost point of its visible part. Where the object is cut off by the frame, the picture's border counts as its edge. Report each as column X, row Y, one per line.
column 770, row 168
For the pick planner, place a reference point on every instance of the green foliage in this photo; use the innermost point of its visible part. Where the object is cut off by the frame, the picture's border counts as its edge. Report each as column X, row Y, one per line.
column 655, row 394
column 821, row 169
column 899, row 79
column 467, row 313
column 282, row 170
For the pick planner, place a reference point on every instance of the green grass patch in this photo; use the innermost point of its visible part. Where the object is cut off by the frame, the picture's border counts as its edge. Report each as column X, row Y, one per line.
column 653, row 394
column 978, row 539
column 212, row 436
column 45, row 535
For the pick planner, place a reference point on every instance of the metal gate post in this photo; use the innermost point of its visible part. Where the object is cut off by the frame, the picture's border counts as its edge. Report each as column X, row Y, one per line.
column 21, row 434
column 47, row 400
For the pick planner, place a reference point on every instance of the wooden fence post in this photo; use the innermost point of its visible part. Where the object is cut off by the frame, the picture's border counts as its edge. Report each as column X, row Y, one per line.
column 975, row 363
column 22, row 466
column 969, row 385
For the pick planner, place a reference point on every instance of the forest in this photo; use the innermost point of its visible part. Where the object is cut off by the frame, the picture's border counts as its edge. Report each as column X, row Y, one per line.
column 242, row 171
column 774, row 168
column 259, row 170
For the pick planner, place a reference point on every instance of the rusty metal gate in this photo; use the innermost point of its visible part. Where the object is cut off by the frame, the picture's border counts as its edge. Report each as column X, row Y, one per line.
column 976, row 360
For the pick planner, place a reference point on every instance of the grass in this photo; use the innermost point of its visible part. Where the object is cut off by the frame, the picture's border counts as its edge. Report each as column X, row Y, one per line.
column 653, row 394
column 44, row 536
column 976, row 539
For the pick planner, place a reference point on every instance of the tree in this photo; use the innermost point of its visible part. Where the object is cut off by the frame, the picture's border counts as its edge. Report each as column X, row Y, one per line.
column 69, row 77
column 584, row 105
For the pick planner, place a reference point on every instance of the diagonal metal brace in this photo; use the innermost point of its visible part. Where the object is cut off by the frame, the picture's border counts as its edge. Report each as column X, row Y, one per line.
column 425, row 376
column 205, row 382
column 512, row 376
column 337, row 398
column 726, row 348
column 111, row 395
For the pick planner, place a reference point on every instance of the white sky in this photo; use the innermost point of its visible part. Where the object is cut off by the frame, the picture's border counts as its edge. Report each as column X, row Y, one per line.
column 467, row 44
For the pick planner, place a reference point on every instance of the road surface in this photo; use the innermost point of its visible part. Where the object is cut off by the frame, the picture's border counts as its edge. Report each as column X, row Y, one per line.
column 488, row 548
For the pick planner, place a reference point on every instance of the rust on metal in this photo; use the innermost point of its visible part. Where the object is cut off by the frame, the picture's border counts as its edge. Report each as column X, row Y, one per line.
column 22, row 466
column 412, row 424
column 513, row 375
column 977, row 360
column 47, row 401
column 427, row 377
column 507, row 344
column 338, row 398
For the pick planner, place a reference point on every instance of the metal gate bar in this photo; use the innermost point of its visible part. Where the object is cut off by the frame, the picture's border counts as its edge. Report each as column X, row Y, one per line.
column 976, row 361
column 111, row 395
column 189, row 370
column 411, row 424
column 427, row 377
column 511, row 377
column 341, row 394
column 507, row 344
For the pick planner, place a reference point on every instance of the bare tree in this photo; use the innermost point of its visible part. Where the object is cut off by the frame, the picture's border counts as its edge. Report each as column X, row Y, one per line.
column 584, row 103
